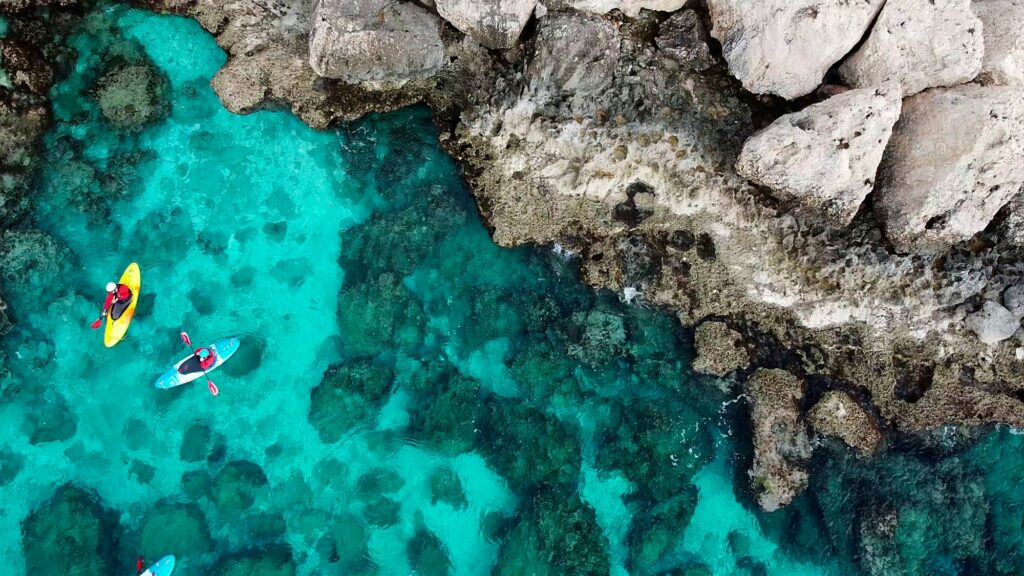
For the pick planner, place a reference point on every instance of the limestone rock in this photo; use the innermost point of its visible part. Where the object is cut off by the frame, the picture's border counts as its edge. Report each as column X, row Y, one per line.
column 719, row 349
column 825, row 156
column 576, row 54
column 953, row 161
column 781, row 445
column 839, row 416
column 1002, row 22
column 683, row 38
column 360, row 41
column 492, row 23
column 918, row 44
column 1013, row 225
column 993, row 323
column 785, row 47
column 628, row 7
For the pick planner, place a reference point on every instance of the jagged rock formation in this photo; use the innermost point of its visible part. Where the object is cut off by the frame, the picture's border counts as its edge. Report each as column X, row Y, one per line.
column 683, row 38
column 720, row 349
column 824, row 157
column 781, row 444
column 492, row 23
column 374, row 41
column 918, row 44
column 1002, row 22
column 838, row 415
column 952, row 163
column 785, row 47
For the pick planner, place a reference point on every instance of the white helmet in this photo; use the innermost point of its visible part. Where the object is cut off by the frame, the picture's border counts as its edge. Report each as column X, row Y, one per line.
column 111, row 286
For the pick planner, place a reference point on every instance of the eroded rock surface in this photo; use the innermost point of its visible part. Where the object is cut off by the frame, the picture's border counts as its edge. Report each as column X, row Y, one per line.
column 993, row 323
column 374, row 41
column 576, row 57
column 785, row 47
column 952, row 163
column 1002, row 22
column 781, row 445
column 720, row 349
column 919, row 44
column 838, row 415
column 493, row 23
column 627, row 7
column 824, row 157
column 683, row 38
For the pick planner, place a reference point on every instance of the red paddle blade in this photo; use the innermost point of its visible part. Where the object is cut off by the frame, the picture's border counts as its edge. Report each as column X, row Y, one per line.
column 184, row 338
column 97, row 323
column 213, row 387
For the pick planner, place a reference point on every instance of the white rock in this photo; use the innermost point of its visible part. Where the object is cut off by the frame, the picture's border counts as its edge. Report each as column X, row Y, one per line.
column 918, row 44
column 953, row 161
column 374, row 41
column 628, row 7
column 492, row 23
column 825, row 156
column 993, row 323
column 785, row 47
column 1003, row 31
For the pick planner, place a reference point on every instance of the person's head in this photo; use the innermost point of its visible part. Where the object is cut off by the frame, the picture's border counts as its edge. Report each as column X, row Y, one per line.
column 204, row 354
column 111, row 286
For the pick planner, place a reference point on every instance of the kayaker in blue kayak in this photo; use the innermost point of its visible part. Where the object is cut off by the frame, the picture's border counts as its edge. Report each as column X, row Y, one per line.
column 206, row 358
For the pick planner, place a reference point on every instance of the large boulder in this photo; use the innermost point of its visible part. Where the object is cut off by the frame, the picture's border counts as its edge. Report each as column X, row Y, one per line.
column 993, row 323
column 953, row 161
column 824, row 157
column 630, row 8
column 683, row 38
column 576, row 55
column 492, row 23
column 839, row 416
column 918, row 44
column 1002, row 22
column 374, row 41
column 785, row 47
column 781, row 445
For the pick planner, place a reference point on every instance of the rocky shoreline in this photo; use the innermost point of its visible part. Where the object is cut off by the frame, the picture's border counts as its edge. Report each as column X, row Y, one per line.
column 617, row 131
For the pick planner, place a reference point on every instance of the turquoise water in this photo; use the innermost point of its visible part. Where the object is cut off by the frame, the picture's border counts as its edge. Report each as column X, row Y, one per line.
column 409, row 398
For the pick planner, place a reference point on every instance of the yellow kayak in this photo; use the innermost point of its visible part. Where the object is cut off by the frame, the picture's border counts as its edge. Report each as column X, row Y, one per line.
column 116, row 329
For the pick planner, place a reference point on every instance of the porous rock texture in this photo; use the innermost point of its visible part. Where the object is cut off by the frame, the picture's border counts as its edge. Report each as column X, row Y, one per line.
column 781, row 445
column 953, row 161
column 784, row 47
column 919, row 44
column 493, row 23
column 1002, row 22
column 824, row 157
column 838, row 415
column 720, row 349
column 374, row 41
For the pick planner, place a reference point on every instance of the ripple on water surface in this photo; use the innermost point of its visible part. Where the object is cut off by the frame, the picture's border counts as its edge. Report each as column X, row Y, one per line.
column 408, row 396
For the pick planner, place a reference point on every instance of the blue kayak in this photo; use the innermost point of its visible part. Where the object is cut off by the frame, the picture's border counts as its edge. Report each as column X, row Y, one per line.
column 163, row 567
column 188, row 368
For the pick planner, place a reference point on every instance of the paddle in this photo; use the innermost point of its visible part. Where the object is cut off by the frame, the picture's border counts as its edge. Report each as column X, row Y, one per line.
column 209, row 383
column 97, row 323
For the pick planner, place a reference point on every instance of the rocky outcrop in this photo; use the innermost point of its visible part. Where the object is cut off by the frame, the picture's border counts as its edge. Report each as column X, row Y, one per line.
column 993, row 323
column 785, row 47
column 918, row 44
column 781, row 445
column 837, row 415
column 492, row 23
column 720, row 349
column 824, row 157
column 628, row 7
column 683, row 38
column 1002, row 22
column 360, row 41
column 952, row 163
column 576, row 57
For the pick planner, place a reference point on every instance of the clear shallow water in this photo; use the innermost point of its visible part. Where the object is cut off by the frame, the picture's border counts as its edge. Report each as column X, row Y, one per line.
column 408, row 398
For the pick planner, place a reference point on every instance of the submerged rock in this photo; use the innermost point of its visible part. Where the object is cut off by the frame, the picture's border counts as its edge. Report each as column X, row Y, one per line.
column 71, row 534
column 1002, row 22
column 273, row 561
column 951, row 165
column 839, row 416
column 427, row 555
column 133, row 95
column 360, row 41
column 824, row 157
column 31, row 262
column 493, row 23
column 184, row 524
column 238, row 486
column 785, row 47
column 720, row 349
column 526, row 446
column 918, row 44
column 781, row 445
column 348, row 395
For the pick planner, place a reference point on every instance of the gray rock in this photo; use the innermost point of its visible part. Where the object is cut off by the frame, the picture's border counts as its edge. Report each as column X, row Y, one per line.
column 683, row 38
column 576, row 54
column 719, row 349
column 1013, row 300
column 785, row 47
column 839, row 416
column 918, row 44
column 492, row 23
column 1013, row 225
column 1002, row 22
column 781, row 444
column 374, row 41
column 953, row 161
column 628, row 7
column 825, row 156
column 993, row 323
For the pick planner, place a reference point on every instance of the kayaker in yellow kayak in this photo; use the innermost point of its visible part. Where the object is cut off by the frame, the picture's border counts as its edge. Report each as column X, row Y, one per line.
column 119, row 297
